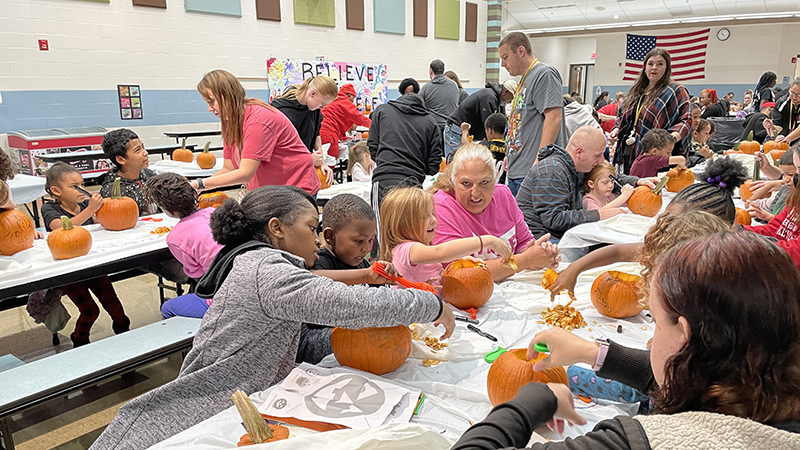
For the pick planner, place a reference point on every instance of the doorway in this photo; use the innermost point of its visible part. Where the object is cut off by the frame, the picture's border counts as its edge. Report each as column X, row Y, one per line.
column 581, row 80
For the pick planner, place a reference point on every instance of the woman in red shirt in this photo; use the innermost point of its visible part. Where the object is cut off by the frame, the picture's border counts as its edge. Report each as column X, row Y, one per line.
column 260, row 145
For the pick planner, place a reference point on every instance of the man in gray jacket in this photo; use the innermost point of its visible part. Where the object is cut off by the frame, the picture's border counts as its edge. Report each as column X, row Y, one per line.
column 440, row 95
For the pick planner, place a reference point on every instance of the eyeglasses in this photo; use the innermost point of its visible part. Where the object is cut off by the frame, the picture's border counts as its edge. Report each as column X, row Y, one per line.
column 794, row 94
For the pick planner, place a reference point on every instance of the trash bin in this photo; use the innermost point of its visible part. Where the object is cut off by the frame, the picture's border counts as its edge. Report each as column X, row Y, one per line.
column 26, row 146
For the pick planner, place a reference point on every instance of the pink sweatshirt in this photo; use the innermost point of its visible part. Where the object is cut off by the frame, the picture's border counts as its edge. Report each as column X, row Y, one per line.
column 501, row 218
column 421, row 272
column 191, row 243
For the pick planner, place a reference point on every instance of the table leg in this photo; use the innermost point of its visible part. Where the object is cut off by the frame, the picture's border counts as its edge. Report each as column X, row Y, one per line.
column 34, row 213
column 5, row 430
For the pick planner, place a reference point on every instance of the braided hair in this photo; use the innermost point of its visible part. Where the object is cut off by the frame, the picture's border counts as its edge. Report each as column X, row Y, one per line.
column 714, row 193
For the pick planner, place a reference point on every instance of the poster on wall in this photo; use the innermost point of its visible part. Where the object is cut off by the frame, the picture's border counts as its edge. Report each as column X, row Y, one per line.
column 130, row 102
column 370, row 80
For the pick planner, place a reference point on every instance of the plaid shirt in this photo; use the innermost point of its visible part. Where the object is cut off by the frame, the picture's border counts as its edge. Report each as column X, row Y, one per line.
column 670, row 111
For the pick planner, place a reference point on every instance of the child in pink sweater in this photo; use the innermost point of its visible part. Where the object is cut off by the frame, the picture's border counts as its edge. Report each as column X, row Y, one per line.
column 190, row 241
column 597, row 189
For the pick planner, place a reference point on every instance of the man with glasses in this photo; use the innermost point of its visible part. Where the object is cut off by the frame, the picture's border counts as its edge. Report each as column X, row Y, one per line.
column 787, row 113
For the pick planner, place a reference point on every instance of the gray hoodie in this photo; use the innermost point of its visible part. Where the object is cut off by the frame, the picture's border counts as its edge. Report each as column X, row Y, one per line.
column 441, row 97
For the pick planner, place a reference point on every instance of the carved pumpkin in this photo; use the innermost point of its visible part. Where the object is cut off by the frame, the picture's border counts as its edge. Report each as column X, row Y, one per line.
column 749, row 146
column 512, row 370
column 743, row 217
column 118, row 212
column 16, row 232
column 182, row 154
column 745, row 192
column 373, row 350
column 206, row 160
column 211, row 200
column 679, row 179
column 69, row 241
column 258, row 432
column 467, row 284
column 549, row 278
column 645, row 201
column 616, row 294
column 322, row 180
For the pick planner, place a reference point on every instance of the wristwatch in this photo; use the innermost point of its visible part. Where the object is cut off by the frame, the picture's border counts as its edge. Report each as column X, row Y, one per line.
column 200, row 184
column 601, row 353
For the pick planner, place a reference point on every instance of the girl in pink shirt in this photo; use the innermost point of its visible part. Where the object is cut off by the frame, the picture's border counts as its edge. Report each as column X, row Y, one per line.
column 598, row 186
column 408, row 226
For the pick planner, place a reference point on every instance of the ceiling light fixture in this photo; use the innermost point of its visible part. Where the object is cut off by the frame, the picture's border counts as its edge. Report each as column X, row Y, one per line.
column 616, row 16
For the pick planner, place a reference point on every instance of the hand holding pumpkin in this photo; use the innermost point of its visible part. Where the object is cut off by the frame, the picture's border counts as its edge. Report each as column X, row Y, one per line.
column 780, row 138
column 565, row 349
column 497, row 246
column 565, row 281
column 565, row 411
column 649, row 182
column 446, row 320
column 759, row 213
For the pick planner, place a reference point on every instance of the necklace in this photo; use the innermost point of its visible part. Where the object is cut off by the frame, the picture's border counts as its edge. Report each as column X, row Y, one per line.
column 519, row 86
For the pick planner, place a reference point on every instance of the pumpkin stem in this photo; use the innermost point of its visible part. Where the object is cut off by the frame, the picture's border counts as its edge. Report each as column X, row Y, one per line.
column 255, row 425
column 183, row 144
column 661, row 184
column 757, row 170
column 736, row 146
column 750, row 136
column 205, row 149
column 116, row 189
column 66, row 224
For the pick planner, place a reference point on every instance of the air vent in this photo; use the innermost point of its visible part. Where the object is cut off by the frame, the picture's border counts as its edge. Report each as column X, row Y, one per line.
column 685, row 11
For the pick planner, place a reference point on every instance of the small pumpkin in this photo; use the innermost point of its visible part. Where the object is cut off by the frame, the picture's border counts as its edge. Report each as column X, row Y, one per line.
column 679, row 179
column 645, row 201
column 749, row 146
column 365, row 135
column 258, row 432
column 373, row 350
column 467, row 284
column 322, row 180
column 511, row 370
column 443, row 165
column 549, row 278
column 616, row 294
column 776, row 155
column 182, row 154
column 772, row 145
column 211, row 200
column 16, row 232
column 743, row 217
column 745, row 191
column 206, row 160
column 69, row 241
column 118, row 212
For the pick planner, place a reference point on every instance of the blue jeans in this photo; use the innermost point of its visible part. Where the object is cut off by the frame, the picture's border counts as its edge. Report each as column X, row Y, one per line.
column 514, row 184
column 452, row 140
column 189, row 305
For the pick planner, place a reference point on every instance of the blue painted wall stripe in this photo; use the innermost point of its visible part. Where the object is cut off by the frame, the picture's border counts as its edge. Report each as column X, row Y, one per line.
column 492, row 44
column 494, row 23
column 492, row 65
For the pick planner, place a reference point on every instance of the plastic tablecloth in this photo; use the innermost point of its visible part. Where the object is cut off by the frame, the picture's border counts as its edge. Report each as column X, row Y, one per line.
column 361, row 189
column 456, row 388
column 37, row 263
column 26, row 188
column 188, row 170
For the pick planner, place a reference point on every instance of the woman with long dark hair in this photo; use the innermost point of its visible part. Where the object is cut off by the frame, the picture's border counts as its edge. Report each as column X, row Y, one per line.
column 763, row 91
column 722, row 373
column 654, row 101
column 601, row 100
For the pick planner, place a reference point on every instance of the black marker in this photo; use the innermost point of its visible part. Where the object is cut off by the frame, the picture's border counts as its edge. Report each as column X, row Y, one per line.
column 82, row 190
column 465, row 319
column 615, row 180
column 472, row 327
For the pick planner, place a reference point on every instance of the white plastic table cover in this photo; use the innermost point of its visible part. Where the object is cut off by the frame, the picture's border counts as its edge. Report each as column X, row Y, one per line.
column 26, row 188
column 362, row 189
column 456, row 388
column 37, row 263
column 188, row 170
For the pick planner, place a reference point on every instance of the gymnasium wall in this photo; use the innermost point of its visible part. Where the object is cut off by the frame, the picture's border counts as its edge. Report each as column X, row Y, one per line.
column 95, row 46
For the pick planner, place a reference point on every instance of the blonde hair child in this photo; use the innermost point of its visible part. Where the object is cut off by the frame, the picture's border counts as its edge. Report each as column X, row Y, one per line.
column 408, row 226
column 314, row 92
column 598, row 186
column 359, row 163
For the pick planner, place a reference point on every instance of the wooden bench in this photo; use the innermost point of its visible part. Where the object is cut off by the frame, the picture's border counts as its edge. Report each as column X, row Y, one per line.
column 31, row 384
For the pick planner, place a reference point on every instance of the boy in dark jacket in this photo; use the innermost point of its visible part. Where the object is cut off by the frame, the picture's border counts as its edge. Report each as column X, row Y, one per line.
column 124, row 148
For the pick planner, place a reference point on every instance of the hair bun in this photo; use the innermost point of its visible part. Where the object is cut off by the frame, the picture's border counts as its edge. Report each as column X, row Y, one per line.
column 229, row 224
column 727, row 173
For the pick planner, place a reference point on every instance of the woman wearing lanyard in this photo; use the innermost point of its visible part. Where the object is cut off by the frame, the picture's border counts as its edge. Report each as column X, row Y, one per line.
column 260, row 145
column 787, row 113
column 654, row 101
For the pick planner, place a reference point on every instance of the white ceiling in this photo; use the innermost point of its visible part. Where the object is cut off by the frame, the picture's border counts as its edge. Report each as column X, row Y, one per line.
column 539, row 14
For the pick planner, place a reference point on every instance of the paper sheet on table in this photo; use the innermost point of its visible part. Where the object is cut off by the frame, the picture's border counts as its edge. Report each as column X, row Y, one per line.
column 341, row 396
column 628, row 223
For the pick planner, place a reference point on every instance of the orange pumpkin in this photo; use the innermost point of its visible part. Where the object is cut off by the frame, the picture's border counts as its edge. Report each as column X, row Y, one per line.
column 183, row 154
column 118, row 212
column 679, row 179
column 467, row 284
column 206, row 160
column 211, row 200
column 616, row 294
column 512, row 370
column 745, row 191
column 373, row 350
column 776, row 155
column 645, row 201
column 69, row 241
column 549, row 278
column 279, row 433
column 254, row 423
column 365, row 135
column 322, row 180
column 743, row 217
column 749, row 146
column 772, row 145
column 443, row 165
column 732, row 152
column 16, row 232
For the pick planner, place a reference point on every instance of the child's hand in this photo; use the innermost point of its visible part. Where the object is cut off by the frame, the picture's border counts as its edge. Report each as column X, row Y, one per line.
column 626, row 191
column 565, row 281
column 498, row 246
column 374, row 278
column 705, row 151
column 680, row 166
column 446, row 320
column 465, row 126
column 38, row 234
column 473, row 259
column 761, row 158
column 759, row 213
column 95, row 202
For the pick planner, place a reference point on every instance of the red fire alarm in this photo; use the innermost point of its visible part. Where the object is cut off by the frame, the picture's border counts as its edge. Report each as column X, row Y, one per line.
column 43, row 46
column 794, row 60
column 593, row 55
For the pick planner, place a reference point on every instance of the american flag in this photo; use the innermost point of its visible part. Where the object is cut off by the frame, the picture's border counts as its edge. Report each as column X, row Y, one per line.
column 688, row 53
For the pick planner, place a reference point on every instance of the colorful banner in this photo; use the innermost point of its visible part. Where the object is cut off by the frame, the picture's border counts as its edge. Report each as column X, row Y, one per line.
column 370, row 80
